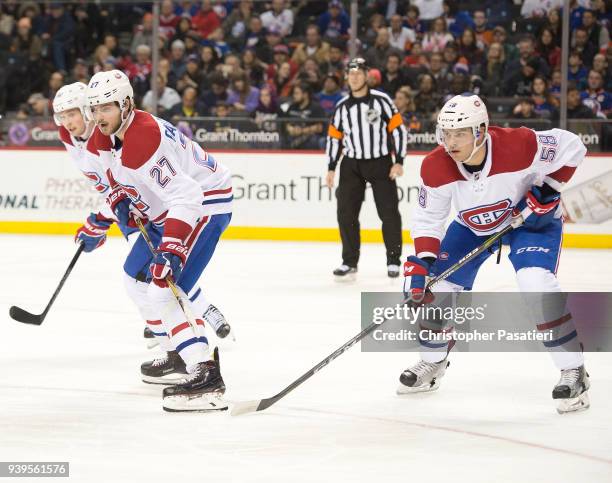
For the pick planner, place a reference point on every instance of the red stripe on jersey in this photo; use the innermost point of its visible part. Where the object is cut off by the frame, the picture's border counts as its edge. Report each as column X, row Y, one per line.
column 98, row 142
column 218, row 192
column 65, row 136
column 178, row 229
column 554, row 323
column 563, row 175
column 141, row 140
column 439, row 169
column 160, row 217
column 426, row 244
column 513, row 149
column 196, row 231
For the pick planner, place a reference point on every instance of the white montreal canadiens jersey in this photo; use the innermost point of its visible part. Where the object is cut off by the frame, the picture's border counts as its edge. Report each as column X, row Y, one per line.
column 516, row 160
column 165, row 174
column 87, row 159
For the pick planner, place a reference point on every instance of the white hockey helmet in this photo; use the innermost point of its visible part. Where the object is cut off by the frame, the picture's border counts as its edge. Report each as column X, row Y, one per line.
column 71, row 96
column 110, row 86
column 463, row 111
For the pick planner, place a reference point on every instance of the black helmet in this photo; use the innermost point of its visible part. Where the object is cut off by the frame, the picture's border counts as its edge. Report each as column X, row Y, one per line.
column 356, row 64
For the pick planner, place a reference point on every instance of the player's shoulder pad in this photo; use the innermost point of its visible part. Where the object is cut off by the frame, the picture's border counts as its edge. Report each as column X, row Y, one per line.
column 65, row 136
column 513, row 149
column 439, row 169
column 141, row 140
column 98, row 142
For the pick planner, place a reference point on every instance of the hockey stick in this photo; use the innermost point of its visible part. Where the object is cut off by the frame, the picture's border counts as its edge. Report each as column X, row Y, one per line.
column 243, row 407
column 171, row 285
column 26, row 317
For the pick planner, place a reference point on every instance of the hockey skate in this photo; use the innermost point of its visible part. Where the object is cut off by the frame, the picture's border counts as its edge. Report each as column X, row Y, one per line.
column 571, row 390
column 200, row 391
column 393, row 271
column 169, row 369
column 344, row 273
column 422, row 377
column 216, row 319
column 150, row 338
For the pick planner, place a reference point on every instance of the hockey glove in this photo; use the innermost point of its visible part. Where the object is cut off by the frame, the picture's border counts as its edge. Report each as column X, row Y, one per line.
column 123, row 208
column 93, row 233
column 543, row 202
column 417, row 272
column 170, row 259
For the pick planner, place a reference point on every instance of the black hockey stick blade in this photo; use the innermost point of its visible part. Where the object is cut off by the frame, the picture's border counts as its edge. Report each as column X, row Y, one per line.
column 26, row 317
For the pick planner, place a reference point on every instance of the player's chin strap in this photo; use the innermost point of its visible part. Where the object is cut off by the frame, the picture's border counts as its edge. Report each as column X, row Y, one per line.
column 125, row 122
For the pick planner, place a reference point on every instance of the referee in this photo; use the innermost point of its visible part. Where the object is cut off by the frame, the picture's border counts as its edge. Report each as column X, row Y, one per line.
column 366, row 129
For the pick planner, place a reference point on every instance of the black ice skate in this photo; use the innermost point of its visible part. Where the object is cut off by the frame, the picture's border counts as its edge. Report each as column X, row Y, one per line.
column 150, row 338
column 169, row 369
column 200, row 391
column 393, row 271
column 216, row 319
column 422, row 377
column 571, row 390
column 344, row 273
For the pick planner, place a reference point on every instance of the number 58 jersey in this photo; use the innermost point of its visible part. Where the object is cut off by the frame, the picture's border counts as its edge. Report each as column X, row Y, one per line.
column 516, row 160
column 165, row 174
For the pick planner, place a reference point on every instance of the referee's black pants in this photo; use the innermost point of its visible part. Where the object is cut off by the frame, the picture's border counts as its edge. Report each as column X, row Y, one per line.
column 354, row 173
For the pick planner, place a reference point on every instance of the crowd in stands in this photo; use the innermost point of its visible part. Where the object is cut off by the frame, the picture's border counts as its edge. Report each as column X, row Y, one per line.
column 281, row 58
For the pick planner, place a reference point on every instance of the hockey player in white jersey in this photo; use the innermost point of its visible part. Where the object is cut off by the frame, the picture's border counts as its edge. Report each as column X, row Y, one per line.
column 75, row 132
column 489, row 175
column 158, row 174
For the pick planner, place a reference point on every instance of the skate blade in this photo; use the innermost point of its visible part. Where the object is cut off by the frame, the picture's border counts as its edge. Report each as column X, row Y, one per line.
column 165, row 381
column 574, row 404
column 152, row 343
column 351, row 277
column 200, row 403
column 405, row 390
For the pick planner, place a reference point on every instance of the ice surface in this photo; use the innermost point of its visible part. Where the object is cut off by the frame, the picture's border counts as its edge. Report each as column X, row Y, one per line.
column 70, row 389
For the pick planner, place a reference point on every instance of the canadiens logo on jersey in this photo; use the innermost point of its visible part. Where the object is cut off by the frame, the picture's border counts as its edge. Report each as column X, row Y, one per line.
column 487, row 217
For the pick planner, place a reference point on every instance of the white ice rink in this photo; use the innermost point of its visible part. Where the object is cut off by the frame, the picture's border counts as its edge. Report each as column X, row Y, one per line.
column 70, row 389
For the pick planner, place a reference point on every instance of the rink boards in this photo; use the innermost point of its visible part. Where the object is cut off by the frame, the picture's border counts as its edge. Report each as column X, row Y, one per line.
column 278, row 196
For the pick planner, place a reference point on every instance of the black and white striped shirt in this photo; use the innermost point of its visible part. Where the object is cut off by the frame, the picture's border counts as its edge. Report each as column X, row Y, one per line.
column 365, row 128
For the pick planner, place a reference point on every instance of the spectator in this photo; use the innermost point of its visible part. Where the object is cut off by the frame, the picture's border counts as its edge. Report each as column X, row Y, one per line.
column 217, row 92
column 39, row 105
column 101, row 57
column 144, row 33
column 377, row 54
column 256, row 39
column 597, row 34
column 538, row 8
column 236, row 24
column 439, row 71
column 595, row 97
column 110, row 42
column 335, row 22
column 601, row 65
column 209, row 60
column 493, row 70
column 193, row 76
column 437, row 37
column 303, row 134
column 80, row 72
column 278, row 17
column 192, row 44
column 189, row 106
column 519, row 82
column 254, row 68
column 183, row 27
column 167, row 98
column 500, row 36
column 217, row 41
column 56, row 81
column 281, row 56
column 584, row 46
column 524, row 109
column 168, row 20
column 413, row 20
column 331, row 93
column 553, row 23
column 469, row 49
column 27, row 42
column 575, row 108
column 266, row 112
column 547, row 48
column 374, row 78
column 206, row 20
column 392, row 76
column 140, row 70
column 6, row 23
column 242, row 96
column 400, row 37
column 484, row 35
column 427, row 101
column 527, row 52
column 313, row 48
column 282, row 81
column 376, row 22
column 405, row 105
column 555, row 84
column 416, row 59
column 429, row 9
column 222, row 110
column 310, row 74
column 177, row 60
column 577, row 73
column 61, row 32
column 545, row 105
